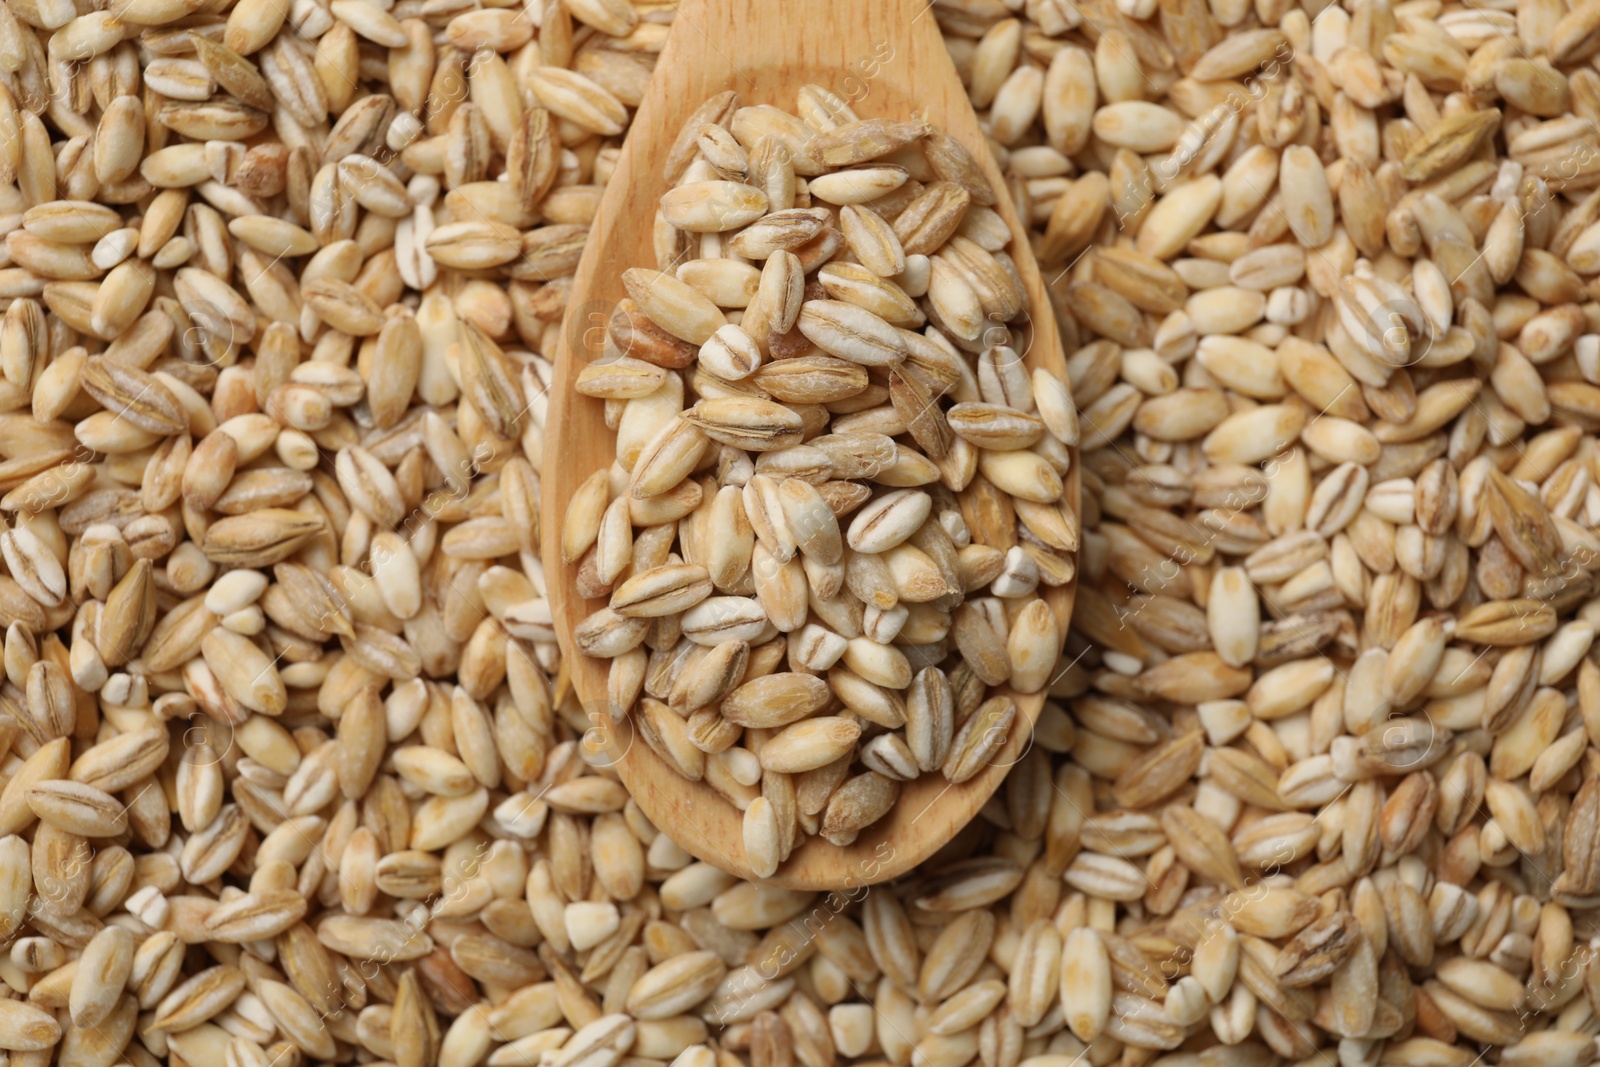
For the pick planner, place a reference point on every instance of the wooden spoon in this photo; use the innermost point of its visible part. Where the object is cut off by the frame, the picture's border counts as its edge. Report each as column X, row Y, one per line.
column 888, row 60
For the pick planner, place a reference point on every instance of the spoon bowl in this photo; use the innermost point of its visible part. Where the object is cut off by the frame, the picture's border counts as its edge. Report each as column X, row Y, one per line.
column 887, row 59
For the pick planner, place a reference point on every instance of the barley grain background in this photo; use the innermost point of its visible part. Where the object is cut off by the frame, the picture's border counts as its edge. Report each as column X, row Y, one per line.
column 292, row 773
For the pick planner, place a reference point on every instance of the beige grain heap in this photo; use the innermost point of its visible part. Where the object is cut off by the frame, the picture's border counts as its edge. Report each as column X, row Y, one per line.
column 820, row 621
column 292, row 772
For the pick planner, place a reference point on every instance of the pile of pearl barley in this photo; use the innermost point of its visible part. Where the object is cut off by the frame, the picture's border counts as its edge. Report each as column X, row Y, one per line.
column 293, row 776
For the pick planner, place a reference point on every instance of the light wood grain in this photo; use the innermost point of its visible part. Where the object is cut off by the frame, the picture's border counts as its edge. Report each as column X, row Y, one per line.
column 888, row 59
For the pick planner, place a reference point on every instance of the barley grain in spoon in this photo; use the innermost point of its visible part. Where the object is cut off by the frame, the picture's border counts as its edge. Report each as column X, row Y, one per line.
column 888, row 61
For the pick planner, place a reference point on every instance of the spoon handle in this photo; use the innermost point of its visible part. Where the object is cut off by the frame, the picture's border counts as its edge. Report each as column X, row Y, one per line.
column 845, row 43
